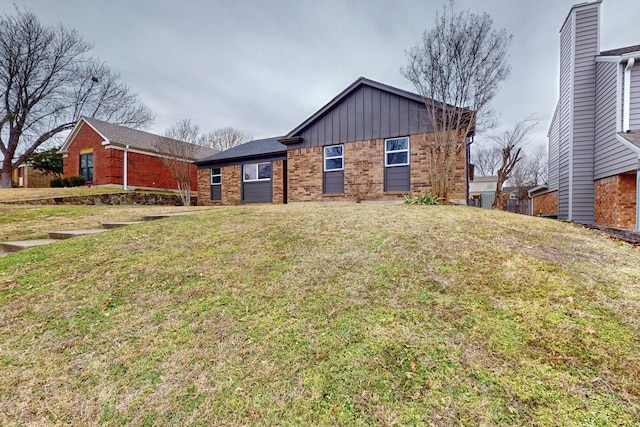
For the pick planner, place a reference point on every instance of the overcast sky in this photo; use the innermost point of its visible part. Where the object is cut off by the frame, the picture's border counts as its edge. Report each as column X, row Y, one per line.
column 265, row 66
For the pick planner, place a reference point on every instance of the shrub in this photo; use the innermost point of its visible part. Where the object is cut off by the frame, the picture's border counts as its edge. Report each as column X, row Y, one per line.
column 74, row 181
column 422, row 199
column 56, row 183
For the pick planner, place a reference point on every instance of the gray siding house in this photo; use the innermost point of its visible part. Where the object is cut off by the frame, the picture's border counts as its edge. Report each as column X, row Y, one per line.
column 594, row 136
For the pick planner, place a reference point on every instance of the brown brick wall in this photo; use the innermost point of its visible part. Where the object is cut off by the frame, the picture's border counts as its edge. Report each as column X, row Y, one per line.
column 231, row 185
column 615, row 199
column 363, row 172
column 31, row 178
column 143, row 170
column 277, row 174
column 546, row 204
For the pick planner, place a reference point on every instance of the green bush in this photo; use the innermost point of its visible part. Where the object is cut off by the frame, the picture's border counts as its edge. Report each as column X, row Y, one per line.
column 422, row 199
column 73, row 181
column 56, row 183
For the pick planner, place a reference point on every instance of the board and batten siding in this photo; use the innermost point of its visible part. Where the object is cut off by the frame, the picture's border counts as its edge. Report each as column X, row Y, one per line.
column 611, row 157
column 368, row 113
column 634, row 108
column 554, row 141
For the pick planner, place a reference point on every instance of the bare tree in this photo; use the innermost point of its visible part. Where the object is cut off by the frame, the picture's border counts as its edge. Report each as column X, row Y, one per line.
column 225, row 138
column 536, row 164
column 178, row 148
column 486, row 159
column 47, row 82
column 510, row 143
column 460, row 64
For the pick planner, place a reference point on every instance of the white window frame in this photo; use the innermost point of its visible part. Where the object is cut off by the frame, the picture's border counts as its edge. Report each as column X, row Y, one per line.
column 407, row 150
column 214, row 175
column 257, row 166
column 325, row 158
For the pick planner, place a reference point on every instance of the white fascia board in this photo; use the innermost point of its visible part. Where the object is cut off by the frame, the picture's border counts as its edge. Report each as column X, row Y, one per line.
column 629, row 145
column 111, row 146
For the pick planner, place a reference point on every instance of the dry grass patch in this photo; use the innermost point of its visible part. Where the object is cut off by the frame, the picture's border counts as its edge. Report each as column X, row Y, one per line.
column 325, row 315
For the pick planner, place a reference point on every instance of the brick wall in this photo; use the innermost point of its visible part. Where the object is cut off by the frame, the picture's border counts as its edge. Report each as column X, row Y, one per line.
column 363, row 172
column 31, row 178
column 231, row 185
column 615, row 199
column 546, row 204
column 143, row 171
column 277, row 174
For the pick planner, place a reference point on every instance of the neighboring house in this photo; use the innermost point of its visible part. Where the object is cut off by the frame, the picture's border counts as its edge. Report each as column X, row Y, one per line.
column 367, row 143
column 25, row 176
column 594, row 137
column 482, row 191
column 109, row 154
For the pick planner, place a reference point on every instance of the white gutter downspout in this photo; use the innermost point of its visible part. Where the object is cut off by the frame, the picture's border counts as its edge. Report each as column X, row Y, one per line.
column 627, row 95
column 126, row 150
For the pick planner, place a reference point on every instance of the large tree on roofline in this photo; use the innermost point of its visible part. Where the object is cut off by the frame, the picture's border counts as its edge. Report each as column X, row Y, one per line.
column 47, row 82
column 459, row 63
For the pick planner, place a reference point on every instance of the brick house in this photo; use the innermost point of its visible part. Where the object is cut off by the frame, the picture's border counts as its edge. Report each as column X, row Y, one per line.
column 25, row 176
column 594, row 136
column 109, row 154
column 367, row 143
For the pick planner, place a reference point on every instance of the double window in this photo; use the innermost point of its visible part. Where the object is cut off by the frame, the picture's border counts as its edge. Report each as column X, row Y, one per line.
column 333, row 158
column 396, row 152
column 86, row 166
column 256, row 172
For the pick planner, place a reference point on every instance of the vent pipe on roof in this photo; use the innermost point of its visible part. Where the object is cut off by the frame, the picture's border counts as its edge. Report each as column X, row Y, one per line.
column 627, row 95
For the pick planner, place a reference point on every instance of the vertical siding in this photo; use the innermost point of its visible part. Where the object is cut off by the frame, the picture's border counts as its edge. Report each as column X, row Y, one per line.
column 368, row 113
column 610, row 156
column 554, row 142
column 564, row 124
column 634, row 108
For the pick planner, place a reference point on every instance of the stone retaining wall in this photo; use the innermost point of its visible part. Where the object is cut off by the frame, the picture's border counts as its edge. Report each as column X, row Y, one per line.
column 122, row 198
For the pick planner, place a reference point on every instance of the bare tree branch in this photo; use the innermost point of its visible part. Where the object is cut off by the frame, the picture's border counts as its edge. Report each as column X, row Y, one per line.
column 510, row 144
column 225, row 138
column 460, row 63
column 47, row 82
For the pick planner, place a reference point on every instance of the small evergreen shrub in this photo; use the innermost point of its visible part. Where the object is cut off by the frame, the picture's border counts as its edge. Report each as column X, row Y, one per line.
column 56, row 183
column 74, row 181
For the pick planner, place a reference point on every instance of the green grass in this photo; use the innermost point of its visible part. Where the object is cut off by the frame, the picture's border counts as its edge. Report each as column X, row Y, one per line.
column 324, row 315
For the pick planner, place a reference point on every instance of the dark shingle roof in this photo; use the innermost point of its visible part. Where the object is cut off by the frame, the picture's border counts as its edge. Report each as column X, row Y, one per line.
column 632, row 137
column 120, row 135
column 258, row 147
column 621, row 51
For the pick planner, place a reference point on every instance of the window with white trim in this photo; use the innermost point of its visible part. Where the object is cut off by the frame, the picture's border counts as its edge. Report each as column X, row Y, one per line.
column 216, row 176
column 333, row 158
column 256, row 172
column 396, row 152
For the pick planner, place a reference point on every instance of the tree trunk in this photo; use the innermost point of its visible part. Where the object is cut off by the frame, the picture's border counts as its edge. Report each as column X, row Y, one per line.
column 5, row 174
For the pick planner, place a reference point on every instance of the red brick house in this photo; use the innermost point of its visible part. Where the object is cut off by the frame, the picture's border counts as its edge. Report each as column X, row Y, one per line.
column 109, row 154
column 367, row 143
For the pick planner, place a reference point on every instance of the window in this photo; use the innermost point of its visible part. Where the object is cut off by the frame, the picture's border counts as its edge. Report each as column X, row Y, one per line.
column 333, row 158
column 216, row 176
column 86, row 166
column 256, row 172
column 396, row 152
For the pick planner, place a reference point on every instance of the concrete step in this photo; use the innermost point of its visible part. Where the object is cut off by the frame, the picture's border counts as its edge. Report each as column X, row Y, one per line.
column 110, row 225
column 73, row 233
column 24, row 244
column 162, row 216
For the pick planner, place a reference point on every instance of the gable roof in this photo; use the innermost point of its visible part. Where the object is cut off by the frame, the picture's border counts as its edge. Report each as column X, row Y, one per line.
column 362, row 81
column 255, row 148
column 122, row 136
